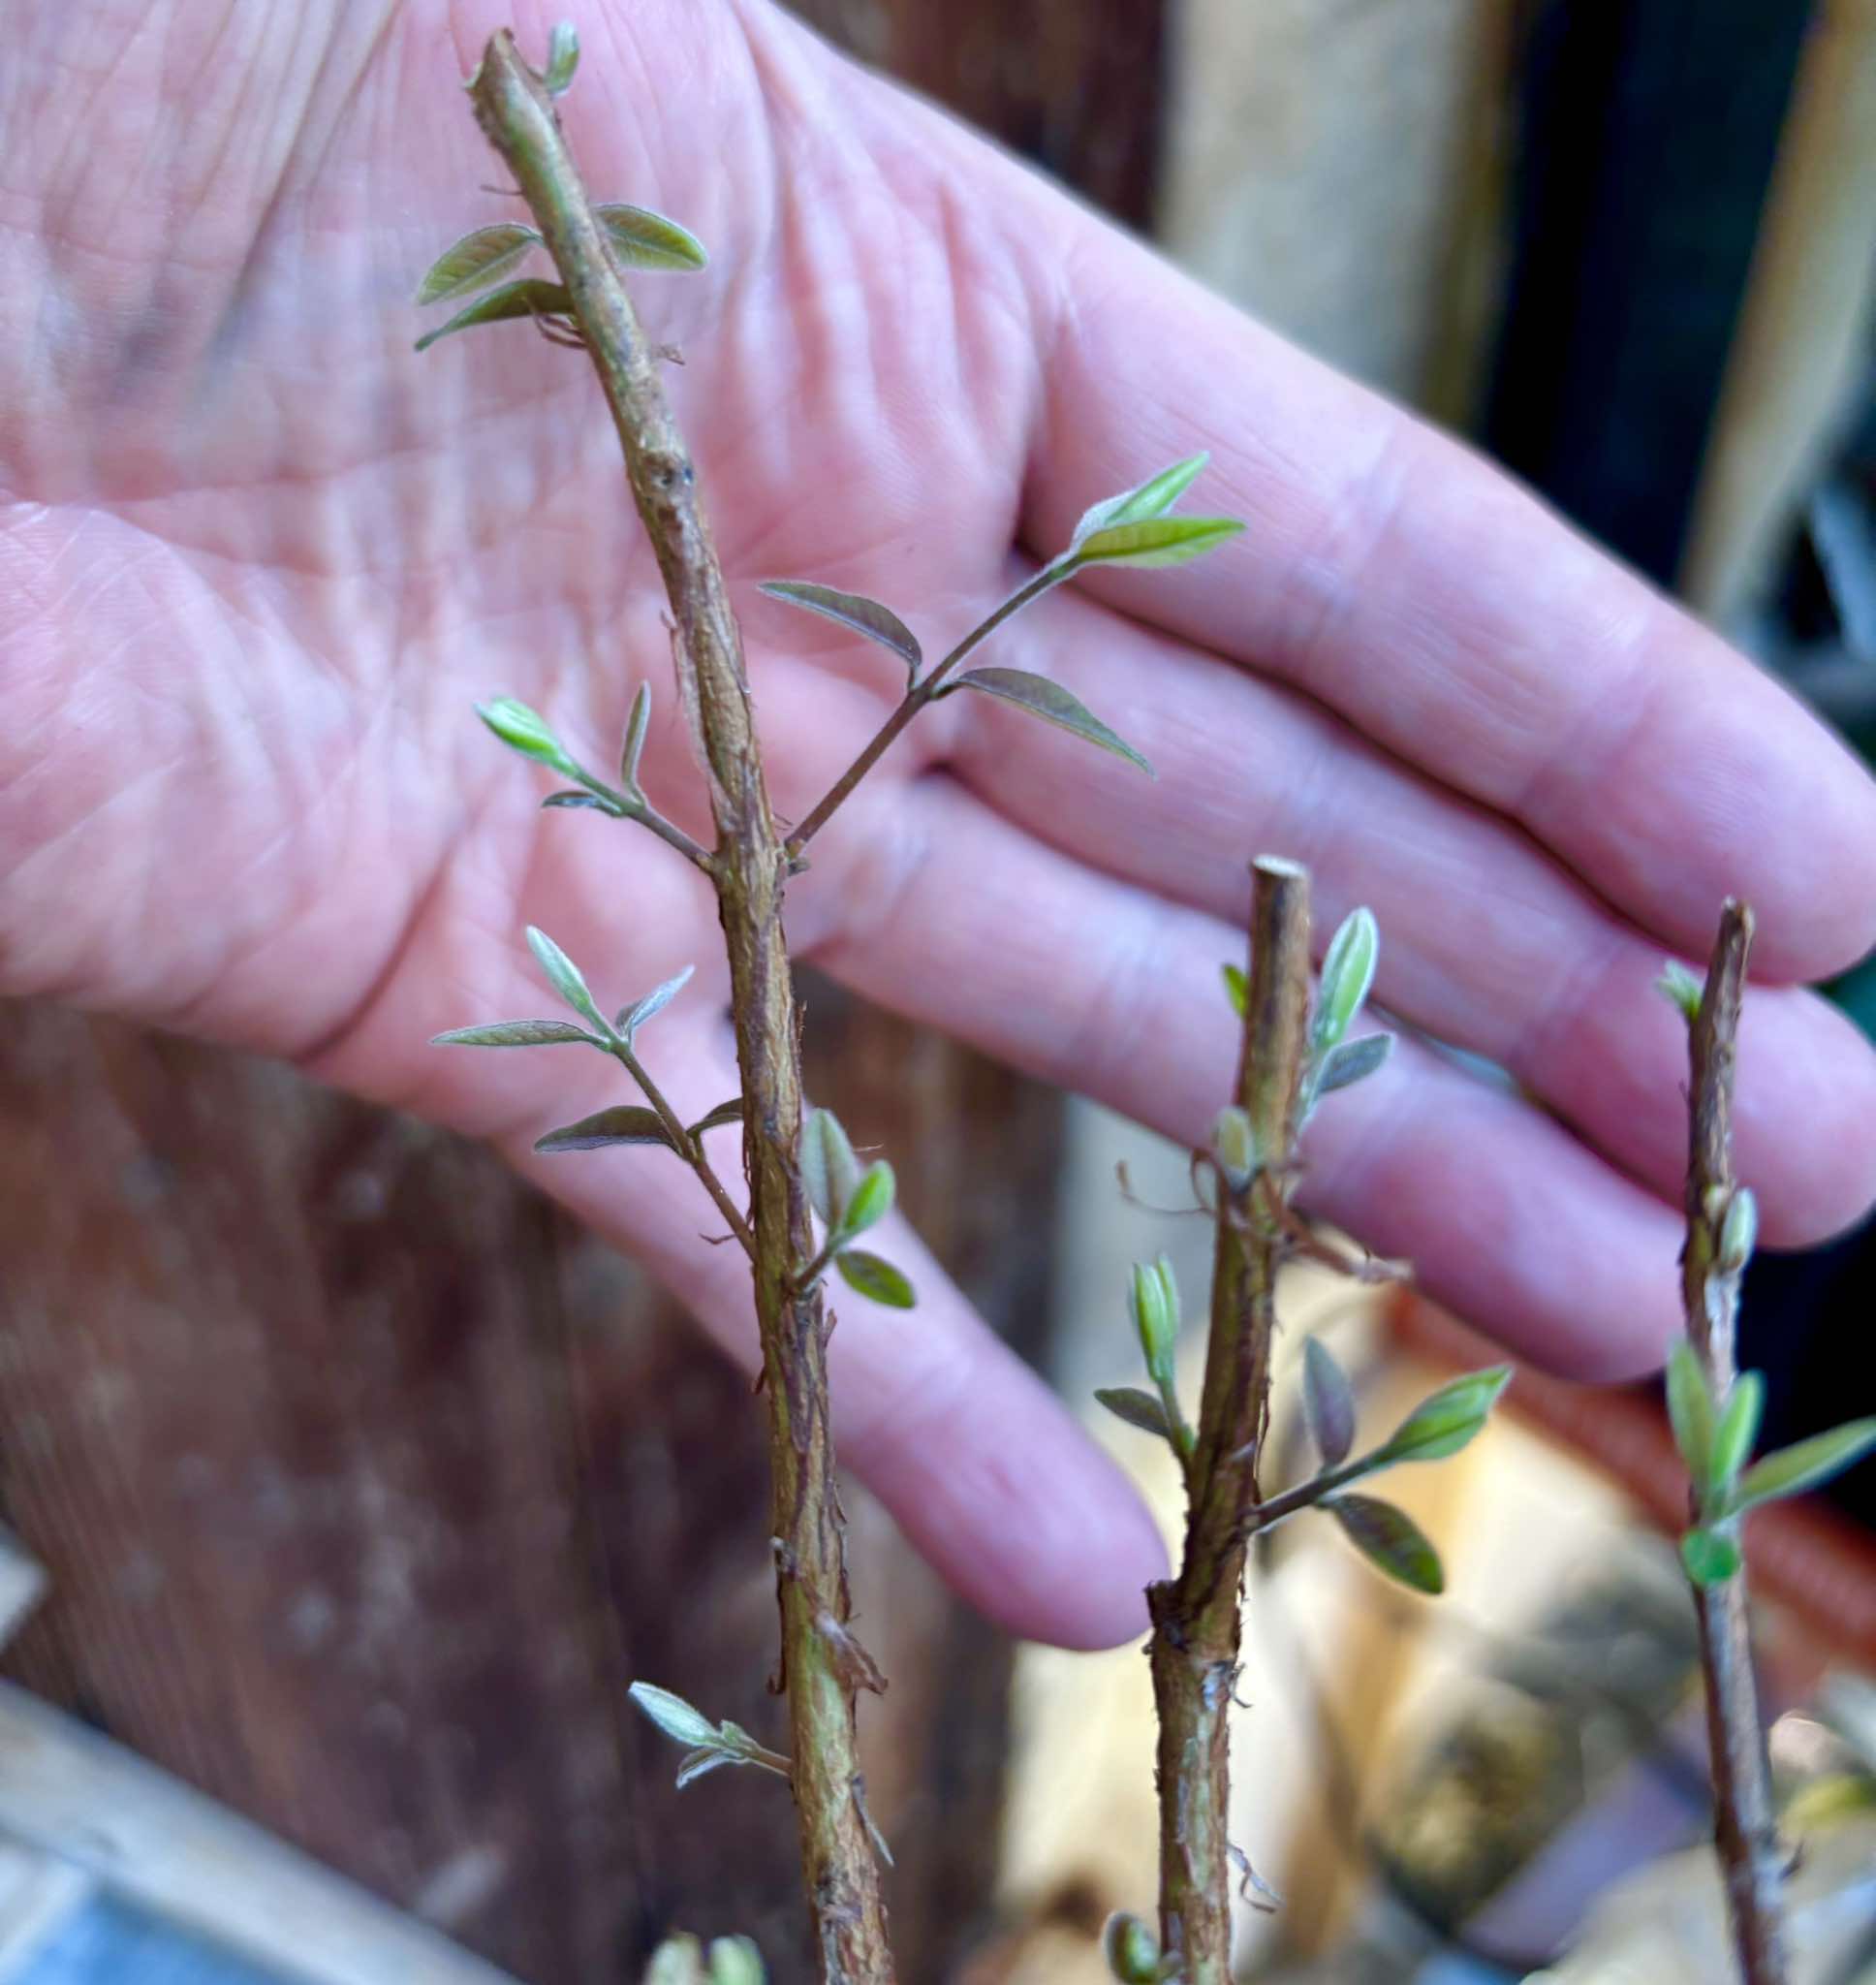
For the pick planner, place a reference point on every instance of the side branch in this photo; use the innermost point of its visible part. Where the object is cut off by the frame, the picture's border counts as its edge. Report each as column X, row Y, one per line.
column 822, row 1665
column 1195, row 1617
column 1745, row 1826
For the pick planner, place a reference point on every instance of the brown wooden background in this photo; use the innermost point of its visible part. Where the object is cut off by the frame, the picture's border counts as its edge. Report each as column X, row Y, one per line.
column 365, row 1483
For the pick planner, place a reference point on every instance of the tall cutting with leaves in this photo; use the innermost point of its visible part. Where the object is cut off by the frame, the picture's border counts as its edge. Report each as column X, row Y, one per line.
column 1293, row 1056
column 808, row 1197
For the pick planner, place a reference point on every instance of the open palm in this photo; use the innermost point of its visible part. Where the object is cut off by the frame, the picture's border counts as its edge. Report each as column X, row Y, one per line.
column 256, row 559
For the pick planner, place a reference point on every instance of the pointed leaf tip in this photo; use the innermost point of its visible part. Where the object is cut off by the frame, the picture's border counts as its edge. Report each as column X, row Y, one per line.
column 564, row 976
column 1391, row 1540
column 1144, row 502
column 563, row 58
column 1155, row 542
column 1053, row 703
column 517, row 1034
column 674, row 1717
column 1328, row 1403
column 1138, row 1408
column 623, row 1123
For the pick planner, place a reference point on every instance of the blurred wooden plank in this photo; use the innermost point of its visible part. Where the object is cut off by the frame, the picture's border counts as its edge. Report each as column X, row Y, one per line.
column 1335, row 169
column 1805, row 337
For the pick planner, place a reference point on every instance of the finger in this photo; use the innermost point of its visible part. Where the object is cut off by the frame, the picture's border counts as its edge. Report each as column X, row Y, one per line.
column 1393, row 576
column 1115, row 992
column 981, row 1467
column 1489, row 942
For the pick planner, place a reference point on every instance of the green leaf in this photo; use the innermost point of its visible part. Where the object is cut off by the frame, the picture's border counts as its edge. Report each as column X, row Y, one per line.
column 1690, row 1415
column 724, row 1114
column 1144, row 502
column 674, row 1717
column 1158, row 541
column 856, row 611
column 1051, row 702
column 1136, row 1407
column 563, row 58
column 871, row 1201
column 1447, row 1420
column 517, row 1034
column 1712, row 1556
column 1153, row 1302
column 1348, row 974
column 531, row 297
column 478, row 258
column 563, row 975
column 635, row 726
column 623, row 1123
column 1805, row 1465
column 1327, row 1402
column 1391, row 1540
column 874, row 1278
column 1681, row 989
column 1233, row 1143
column 1353, row 1062
column 828, row 1166
column 526, row 731
column 1237, row 988
column 1737, row 1431
column 643, row 240
column 1131, row 1950
column 632, row 1017
column 735, row 1961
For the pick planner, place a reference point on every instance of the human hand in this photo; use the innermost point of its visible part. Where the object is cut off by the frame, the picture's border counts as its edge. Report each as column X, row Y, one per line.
column 256, row 560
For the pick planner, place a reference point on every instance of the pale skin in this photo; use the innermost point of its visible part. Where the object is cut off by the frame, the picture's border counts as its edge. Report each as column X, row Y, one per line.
column 256, row 560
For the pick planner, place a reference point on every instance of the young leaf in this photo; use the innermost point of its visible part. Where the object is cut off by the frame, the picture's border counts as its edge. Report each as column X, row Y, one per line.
column 724, row 1114
column 1348, row 972
column 1153, row 1299
column 563, row 975
column 590, row 800
column 632, row 1017
column 531, row 297
column 1391, row 1540
column 1157, row 541
column 1805, row 1465
column 1136, row 1407
column 526, row 731
column 1738, row 1233
column 676, row 1718
column 635, row 726
column 1690, row 1415
column 1447, row 1420
column 1131, row 1950
column 478, row 258
column 1712, row 1556
column 871, row 1201
column 856, row 611
column 517, row 1034
column 735, row 1961
column 623, row 1123
column 695, row 1764
column 1144, row 502
column 828, row 1166
column 644, row 239
column 1237, row 988
column 878, row 1280
column 563, row 58
column 1737, row 1431
column 1051, row 702
column 1353, row 1062
column 1233, row 1143
column 1681, row 989
column 1327, row 1402
column 677, row 1961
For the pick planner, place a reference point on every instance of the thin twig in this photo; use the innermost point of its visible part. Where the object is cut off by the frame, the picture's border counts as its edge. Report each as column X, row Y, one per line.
column 822, row 1665
column 1196, row 1618
column 689, row 1148
column 1745, row 1826
column 921, row 692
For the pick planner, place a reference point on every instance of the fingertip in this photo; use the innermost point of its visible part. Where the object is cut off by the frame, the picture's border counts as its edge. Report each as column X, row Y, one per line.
column 1804, row 1119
